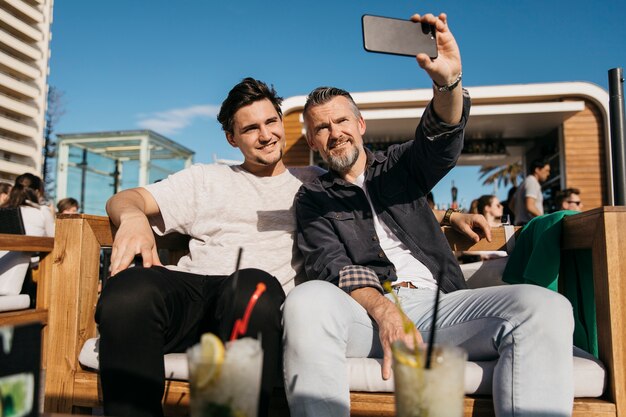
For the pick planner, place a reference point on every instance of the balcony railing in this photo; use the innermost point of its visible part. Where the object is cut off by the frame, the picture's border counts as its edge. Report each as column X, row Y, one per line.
column 15, row 23
column 17, row 159
column 23, row 9
column 24, row 48
column 21, row 80
column 19, row 65
column 26, row 141
column 16, row 105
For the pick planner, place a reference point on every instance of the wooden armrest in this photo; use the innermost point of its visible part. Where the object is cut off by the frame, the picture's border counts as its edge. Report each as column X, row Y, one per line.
column 460, row 242
column 603, row 230
column 26, row 243
column 74, row 294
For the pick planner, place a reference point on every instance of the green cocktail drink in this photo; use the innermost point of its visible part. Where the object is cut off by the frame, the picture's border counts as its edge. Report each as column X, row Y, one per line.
column 434, row 392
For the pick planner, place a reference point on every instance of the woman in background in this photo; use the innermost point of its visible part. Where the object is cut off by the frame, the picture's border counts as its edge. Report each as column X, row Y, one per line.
column 484, row 268
column 490, row 207
column 38, row 221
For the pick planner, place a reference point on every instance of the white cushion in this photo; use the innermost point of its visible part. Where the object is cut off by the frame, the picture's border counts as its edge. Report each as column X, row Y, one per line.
column 13, row 269
column 589, row 373
column 484, row 273
column 14, row 302
column 175, row 363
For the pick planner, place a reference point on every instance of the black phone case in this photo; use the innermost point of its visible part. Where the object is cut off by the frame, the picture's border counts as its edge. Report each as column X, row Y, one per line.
column 398, row 37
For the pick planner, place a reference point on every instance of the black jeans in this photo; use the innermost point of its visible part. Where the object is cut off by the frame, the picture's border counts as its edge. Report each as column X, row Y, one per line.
column 144, row 313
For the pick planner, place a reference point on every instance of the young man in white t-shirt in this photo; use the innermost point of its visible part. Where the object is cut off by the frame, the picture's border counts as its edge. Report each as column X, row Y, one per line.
column 528, row 200
column 147, row 311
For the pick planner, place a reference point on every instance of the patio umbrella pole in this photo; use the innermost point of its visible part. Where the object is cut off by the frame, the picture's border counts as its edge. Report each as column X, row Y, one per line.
column 618, row 147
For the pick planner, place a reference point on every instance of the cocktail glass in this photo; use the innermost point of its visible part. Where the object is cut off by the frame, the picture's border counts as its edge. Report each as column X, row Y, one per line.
column 230, row 388
column 434, row 392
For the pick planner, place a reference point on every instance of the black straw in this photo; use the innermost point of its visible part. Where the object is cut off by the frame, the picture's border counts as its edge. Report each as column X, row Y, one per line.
column 236, row 273
column 431, row 341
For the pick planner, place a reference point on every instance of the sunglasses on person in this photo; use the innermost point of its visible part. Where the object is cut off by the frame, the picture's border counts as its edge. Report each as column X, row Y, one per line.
column 574, row 202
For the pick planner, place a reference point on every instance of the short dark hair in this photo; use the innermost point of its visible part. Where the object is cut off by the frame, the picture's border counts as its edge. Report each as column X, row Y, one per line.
column 66, row 203
column 563, row 195
column 246, row 92
column 322, row 95
column 537, row 164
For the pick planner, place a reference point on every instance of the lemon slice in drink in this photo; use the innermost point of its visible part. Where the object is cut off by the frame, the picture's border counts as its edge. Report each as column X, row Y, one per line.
column 405, row 356
column 212, row 352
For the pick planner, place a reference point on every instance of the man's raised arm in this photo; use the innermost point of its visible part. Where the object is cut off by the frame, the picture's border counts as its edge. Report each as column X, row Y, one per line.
column 129, row 211
column 445, row 70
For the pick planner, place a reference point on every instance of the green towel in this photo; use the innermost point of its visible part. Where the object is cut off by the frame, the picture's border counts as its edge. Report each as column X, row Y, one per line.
column 537, row 259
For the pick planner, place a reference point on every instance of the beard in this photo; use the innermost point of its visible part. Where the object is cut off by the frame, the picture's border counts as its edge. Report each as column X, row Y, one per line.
column 343, row 162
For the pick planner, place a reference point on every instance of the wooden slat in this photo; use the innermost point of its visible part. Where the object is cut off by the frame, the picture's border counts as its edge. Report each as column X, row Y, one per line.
column 73, row 293
column 87, row 393
column 368, row 404
column 459, row 242
column 602, row 230
column 14, row 318
column 584, row 155
column 26, row 243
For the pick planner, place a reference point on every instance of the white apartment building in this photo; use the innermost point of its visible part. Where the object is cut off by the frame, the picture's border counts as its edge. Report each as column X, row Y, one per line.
column 24, row 53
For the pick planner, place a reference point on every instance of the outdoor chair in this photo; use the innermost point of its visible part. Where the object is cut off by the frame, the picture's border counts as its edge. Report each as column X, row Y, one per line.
column 15, row 267
column 72, row 383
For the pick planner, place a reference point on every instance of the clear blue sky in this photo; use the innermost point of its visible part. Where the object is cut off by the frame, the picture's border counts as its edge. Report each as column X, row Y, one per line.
column 167, row 65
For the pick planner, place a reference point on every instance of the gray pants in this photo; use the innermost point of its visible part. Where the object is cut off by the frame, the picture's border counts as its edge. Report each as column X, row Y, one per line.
column 528, row 329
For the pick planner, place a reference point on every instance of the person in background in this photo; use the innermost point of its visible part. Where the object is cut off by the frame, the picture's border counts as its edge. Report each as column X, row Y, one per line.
column 569, row 199
column 38, row 221
column 507, row 206
column 528, row 199
column 5, row 189
column 473, row 208
column 67, row 205
column 490, row 207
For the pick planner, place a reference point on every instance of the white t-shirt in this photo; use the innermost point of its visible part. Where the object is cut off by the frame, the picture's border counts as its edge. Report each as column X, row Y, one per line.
column 223, row 208
column 408, row 268
column 529, row 188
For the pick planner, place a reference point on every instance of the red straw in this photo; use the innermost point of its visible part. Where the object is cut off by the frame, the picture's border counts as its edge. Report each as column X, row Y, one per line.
column 241, row 325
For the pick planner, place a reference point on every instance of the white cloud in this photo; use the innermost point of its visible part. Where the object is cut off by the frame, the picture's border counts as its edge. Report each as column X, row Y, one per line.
column 170, row 122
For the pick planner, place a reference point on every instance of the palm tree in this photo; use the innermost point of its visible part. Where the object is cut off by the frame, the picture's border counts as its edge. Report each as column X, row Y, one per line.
column 502, row 174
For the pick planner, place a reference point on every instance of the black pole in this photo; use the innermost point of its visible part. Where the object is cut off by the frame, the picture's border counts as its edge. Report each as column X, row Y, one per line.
column 116, row 177
column 618, row 147
column 83, row 179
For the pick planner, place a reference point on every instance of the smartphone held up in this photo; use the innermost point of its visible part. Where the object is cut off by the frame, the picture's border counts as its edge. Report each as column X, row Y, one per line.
column 398, row 37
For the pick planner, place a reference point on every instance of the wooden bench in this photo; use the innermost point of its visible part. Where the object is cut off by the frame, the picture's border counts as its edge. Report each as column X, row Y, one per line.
column 73, row 294
column 39, row 313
